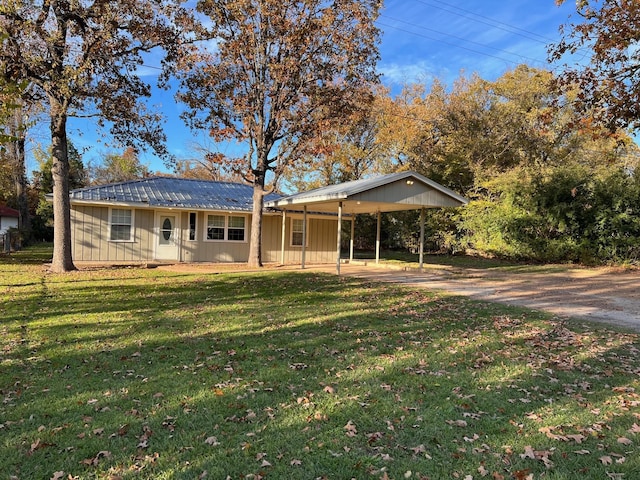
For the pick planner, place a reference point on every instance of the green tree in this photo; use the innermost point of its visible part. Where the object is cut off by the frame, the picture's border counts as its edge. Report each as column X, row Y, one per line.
column 528, row 159
column 82, row 58
column 42, row 185
column 282, row 71
column 610, row 82
column 118, row 168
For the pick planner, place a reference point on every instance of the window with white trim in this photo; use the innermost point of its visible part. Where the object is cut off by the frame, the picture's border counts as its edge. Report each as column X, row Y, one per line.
column 230, row 228
column 297, row 232
column 121, row 225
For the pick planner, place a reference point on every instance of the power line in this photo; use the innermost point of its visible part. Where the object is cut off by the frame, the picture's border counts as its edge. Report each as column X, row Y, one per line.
column 491, row 22
column 478, row 52
column 483, row 45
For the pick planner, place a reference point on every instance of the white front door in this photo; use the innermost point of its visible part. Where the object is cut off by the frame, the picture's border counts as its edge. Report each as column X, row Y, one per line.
column 167, row 245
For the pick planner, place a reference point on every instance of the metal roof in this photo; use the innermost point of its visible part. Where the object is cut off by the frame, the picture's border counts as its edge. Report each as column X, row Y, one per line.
column 396, row 191
column 170, row 192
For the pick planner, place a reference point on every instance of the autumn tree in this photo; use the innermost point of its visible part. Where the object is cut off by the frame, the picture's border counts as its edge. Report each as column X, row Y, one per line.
column 82, row 57
column 348, row 150
column 206, row 163
column 280, row 73
column 610, row 82
column 115, row 168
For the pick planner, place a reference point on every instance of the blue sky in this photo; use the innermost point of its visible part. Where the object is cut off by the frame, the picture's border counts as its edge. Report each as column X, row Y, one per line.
column 422, row 40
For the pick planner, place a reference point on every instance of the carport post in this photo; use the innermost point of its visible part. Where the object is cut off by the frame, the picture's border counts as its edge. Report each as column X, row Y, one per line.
column 378, row 238
column 304, row 235
column 353, row 231
column 339, row 238
column 284, row 230
column 421, row 238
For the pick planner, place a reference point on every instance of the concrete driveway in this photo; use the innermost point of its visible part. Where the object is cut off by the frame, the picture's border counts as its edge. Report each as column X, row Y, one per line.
column 596, row 294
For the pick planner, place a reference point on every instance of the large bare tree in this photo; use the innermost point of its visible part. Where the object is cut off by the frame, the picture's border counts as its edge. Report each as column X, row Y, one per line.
column 275, row 74
column 82, row 58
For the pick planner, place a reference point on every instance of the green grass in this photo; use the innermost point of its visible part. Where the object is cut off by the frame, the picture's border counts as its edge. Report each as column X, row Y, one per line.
column 135, row 373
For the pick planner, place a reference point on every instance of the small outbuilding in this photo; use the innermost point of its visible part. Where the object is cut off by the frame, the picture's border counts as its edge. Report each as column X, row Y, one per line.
column 8, row 218
column 186, row 220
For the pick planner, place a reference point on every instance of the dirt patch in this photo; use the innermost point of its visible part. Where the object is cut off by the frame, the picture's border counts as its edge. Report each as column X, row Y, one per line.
column 599, row 294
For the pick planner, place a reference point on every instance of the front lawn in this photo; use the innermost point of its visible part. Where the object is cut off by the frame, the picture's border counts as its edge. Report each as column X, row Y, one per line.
column 136, row 373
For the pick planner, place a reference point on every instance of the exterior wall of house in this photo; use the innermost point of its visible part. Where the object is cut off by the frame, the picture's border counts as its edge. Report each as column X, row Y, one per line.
column 321, row 240
column 6, row 223
column 91, row 243
column 90, row 236
column 201, row 250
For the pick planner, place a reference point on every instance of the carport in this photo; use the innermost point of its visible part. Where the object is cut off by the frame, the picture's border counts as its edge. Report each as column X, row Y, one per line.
column 388, row 193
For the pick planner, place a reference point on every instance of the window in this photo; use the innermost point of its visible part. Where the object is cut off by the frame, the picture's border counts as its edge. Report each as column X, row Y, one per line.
column 230, row 228
column 235, row 231
column 121, row 225
column 215, row 227
column 297, row 226
column 192, row 226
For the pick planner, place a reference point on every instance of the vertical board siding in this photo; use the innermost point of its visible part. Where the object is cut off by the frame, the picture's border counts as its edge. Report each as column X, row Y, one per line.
column 90, row 239
column 90, row 236
column 321, row 244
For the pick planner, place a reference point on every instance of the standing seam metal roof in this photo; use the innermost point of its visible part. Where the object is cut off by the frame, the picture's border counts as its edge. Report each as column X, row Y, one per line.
column 172, row 192
column 347, row 189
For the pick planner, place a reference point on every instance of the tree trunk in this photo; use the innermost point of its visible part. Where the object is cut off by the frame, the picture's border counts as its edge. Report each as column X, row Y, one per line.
column 62, row 260
column 255, row 245
column 20, row 171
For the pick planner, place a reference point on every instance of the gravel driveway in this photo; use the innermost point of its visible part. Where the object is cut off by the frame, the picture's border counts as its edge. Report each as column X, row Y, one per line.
column 595, row 294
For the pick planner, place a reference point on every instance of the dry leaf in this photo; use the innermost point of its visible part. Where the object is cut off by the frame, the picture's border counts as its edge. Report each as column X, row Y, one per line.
column 457, row 423
column 528, row 452
column 350, row 428
column 624, row 441
column 329, row 389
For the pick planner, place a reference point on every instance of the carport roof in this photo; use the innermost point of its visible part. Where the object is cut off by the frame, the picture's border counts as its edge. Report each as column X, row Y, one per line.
column 397, row 191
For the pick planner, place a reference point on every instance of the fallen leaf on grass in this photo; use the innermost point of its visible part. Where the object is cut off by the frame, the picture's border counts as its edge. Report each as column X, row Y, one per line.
column 213, row 441
column 624, row 441
column 295, row 462
column 351, row 430
column 57, row 475
column 95, row 460
column 37, row 445
column 457, row 423
column 606, row 460
column 528, row 452
column 542, row 455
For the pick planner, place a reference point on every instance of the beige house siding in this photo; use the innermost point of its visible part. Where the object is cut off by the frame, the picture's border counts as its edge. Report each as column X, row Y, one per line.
column 90, row 236
column 403, row 195
column 201, row 250
column 321, row 240
column 91, row 230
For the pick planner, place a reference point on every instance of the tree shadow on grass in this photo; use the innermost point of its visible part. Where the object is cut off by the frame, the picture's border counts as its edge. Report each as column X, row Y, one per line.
column 251, row 374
